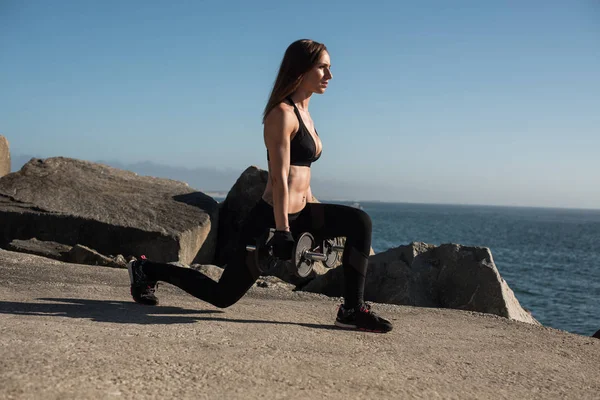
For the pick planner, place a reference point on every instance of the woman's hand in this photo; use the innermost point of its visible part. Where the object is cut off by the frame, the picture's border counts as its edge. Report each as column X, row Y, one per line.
column 283, row 244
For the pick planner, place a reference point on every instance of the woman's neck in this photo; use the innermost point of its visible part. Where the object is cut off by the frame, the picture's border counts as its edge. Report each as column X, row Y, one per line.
column 301, row 99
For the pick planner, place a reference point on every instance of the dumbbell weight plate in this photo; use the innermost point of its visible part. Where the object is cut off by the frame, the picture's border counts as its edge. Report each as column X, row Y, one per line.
column 304, row 266
column 263, row 254
column 332, row 256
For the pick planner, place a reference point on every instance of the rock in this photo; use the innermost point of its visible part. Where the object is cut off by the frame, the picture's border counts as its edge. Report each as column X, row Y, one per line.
column 272, row 282
column 242, row 197
column 212, row 271
column 110, row 210
column 597, row 334
column 178, row 264
column 4, row 157
column 77, row 254
column 56, row 251
column 469, row 280
column 423, row 275
column 119, row 259
column 84, row 255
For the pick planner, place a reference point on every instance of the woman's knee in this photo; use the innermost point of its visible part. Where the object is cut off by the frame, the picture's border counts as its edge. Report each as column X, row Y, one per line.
column 222, row 304
column 364, row 220
column 359, row 223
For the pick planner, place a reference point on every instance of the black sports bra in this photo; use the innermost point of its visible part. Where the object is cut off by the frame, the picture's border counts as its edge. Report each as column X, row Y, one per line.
column 303, row 148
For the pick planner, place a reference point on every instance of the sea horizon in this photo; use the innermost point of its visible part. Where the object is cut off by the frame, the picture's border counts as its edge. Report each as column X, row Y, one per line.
column 223, row 194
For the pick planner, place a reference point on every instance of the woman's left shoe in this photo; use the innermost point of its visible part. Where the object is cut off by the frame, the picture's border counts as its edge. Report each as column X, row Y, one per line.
column 142, row 288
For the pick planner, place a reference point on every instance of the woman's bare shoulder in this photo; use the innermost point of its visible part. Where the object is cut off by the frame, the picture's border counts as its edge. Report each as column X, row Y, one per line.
column 281, row 117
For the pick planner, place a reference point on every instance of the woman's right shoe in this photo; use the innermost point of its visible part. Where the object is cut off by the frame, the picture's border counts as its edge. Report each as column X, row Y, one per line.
column 361, row 318
column 142, row 288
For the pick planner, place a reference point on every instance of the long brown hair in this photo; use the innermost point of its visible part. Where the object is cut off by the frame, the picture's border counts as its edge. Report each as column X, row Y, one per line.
column 299, row 58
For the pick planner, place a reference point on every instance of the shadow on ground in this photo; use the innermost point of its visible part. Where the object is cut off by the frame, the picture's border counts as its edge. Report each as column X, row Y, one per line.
column 126, row 312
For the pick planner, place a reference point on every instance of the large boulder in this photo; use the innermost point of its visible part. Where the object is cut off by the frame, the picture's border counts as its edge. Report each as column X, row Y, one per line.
column 424, row 275
column 109, row 210
column 242, row 197
column 4, row 157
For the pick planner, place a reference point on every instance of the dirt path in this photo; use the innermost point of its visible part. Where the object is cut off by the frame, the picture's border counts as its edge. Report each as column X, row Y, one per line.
column 71, row 332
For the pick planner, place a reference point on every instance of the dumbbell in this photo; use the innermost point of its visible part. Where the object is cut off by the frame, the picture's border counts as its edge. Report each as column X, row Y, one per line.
column 331, row 250
column 303, row 254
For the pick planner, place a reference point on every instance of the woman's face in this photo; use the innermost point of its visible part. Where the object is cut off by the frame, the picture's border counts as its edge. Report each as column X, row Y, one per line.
column 316, row 79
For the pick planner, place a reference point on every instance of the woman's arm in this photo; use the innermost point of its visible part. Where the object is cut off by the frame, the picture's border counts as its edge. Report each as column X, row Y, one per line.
column 279, row 126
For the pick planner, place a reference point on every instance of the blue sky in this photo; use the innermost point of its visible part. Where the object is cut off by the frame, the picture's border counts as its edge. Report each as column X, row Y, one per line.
column 469, row 102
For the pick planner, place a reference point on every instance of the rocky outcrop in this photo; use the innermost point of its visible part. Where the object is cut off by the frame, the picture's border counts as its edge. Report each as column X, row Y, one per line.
column 48, row 249
column 4, row 157
column 84, row 255
column 212, row 271
column 422, row 275
column 77, row 254
column 106, row 209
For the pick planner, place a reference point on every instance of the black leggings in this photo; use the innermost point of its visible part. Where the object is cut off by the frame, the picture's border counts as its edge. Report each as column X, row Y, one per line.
column 324, row 221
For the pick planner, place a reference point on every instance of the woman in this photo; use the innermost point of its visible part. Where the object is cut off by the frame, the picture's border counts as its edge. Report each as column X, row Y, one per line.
column 292, row 145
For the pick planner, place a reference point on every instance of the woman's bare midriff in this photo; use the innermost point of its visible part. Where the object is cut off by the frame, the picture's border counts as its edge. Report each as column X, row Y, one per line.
column 298, row 187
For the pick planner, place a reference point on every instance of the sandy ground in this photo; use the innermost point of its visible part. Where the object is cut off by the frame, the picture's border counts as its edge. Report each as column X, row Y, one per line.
column 72, row 332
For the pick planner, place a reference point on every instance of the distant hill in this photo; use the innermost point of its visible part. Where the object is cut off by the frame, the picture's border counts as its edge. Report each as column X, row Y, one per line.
column 205, row 179
column 17, row 161
column 217, row 182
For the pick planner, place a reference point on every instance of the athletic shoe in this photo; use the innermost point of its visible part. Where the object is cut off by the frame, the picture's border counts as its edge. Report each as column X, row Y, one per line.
column 142, row 288
column 362, row 318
